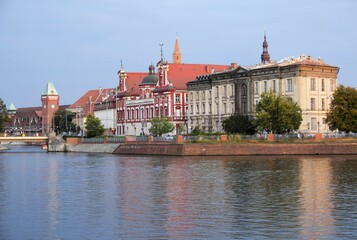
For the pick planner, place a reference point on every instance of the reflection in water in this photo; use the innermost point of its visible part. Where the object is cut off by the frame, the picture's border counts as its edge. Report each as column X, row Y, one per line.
column 316, row 218
column 94, row 196
column 53, row 201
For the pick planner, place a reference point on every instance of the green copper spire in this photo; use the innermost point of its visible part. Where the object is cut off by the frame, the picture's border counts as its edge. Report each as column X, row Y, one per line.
column 12, row 107
column 50, row 89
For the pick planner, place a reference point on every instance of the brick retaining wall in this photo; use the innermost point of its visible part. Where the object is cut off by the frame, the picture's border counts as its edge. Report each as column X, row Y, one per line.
column 237, row 149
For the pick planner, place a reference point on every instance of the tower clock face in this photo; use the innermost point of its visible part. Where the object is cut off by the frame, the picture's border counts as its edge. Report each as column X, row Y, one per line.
column 52, row 106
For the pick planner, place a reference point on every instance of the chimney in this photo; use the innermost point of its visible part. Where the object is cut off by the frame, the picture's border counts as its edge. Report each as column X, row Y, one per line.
column 234, row 65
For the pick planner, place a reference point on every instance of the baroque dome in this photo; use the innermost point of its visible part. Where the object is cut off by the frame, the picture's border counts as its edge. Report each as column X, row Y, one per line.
column 151, row 78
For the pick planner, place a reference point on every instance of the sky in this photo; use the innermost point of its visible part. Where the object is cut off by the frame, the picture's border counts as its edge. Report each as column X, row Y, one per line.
column 79, row 45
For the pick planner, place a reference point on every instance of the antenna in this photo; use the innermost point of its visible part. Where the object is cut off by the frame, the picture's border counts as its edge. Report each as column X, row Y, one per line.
column 121, row 64
column 162, row 54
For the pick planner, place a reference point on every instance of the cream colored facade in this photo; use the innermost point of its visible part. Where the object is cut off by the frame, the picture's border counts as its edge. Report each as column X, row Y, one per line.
column 310, row 82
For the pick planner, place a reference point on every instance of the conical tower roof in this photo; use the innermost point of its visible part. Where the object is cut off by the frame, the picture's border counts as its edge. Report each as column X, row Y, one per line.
column 50, row 89
column 12, row 107
column 177, row 53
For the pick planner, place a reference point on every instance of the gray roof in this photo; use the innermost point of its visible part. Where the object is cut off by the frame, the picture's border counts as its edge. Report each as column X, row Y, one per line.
column 151, row 78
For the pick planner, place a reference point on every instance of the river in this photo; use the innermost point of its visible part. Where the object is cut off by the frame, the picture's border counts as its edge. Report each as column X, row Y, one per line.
column 103, row 196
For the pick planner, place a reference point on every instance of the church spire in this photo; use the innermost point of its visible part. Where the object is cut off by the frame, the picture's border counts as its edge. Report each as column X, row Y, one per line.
column 265, row 57
column 176, row 56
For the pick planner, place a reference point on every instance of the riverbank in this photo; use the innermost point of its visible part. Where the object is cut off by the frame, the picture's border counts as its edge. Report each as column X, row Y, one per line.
column 2, row 148
column 218, row 149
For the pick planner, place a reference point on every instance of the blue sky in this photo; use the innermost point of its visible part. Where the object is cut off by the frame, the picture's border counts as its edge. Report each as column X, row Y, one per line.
column 78, row 44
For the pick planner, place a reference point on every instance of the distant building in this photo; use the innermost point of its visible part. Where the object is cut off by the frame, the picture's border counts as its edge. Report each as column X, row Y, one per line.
column 310, row 82
column 94, row 102
column 33, row 120
column 143, row 96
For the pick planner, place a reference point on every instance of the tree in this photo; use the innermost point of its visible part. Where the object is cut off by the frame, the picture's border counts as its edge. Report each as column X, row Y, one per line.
column 196, row 131
column 277, row 113
column 63, row 121
column 3, row 115
column 238, row 124
column 343, row 110
column 93, row 126
column 160, row 125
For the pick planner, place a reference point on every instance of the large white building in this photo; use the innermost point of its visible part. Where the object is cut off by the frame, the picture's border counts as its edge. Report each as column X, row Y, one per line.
column 309, row 82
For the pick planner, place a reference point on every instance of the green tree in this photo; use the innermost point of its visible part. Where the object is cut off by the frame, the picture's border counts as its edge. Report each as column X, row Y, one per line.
column 343, row 110
column 238, row 123
column 160, row 125
column 63, row 121
column 93, row 126
column 3, row 115
column 277, row 113
column 196, row 131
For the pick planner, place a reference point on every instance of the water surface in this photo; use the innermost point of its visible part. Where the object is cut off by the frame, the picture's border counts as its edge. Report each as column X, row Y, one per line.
column 104, row 196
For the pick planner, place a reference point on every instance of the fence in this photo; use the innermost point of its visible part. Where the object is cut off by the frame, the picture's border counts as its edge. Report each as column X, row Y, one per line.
column 213, row 138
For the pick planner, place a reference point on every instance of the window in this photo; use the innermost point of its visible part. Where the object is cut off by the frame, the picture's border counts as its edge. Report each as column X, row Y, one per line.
column 232, row 87
column 256, row 89
column 203, row 95
column 313, row 104
column 322, row 85
column 203, row 108
column 225, row 91
column 244, row 90
column 191, row 110
column 290, row 85
column 312, row 84
column 313, row 124
column 210, row 94
column 225, row 108
column 186, row 97
column 177, row 98
column 197, row 95
column 265, row 86
column 274, row 86
column 217, row 91
column 243, row 107
column 210, row 108
column 197, row 109
column 323, row 104
column 331, row 85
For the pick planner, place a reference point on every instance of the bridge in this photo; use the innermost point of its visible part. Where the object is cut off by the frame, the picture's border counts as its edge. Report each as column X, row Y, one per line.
column 24, row 139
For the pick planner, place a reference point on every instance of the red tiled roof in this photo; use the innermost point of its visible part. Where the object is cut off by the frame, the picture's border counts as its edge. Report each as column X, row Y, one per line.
column 90, row 97
column 133, row 81
column 39, row 113
column 180, row 74
column 26, row 112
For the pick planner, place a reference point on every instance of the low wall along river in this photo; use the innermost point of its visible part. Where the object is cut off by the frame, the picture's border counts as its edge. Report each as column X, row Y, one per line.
column 220, row 148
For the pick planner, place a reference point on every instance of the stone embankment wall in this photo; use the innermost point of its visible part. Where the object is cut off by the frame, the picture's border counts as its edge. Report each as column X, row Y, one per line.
column 92, row 148
column 227, row 149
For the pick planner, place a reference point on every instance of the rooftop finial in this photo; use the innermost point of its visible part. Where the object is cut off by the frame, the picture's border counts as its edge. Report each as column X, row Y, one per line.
column 162, row 53
column 265, row 57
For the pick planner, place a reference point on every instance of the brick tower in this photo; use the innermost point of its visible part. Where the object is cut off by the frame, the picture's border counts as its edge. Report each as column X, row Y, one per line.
column 176, row 56
column 50, row 102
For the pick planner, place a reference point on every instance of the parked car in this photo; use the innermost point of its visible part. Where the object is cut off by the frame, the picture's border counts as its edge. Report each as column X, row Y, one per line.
column 168, row 137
